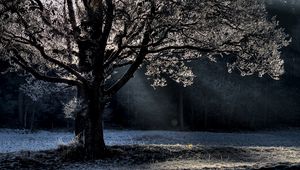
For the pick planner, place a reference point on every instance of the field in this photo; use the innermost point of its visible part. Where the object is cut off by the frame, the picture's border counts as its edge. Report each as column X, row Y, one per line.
column 157, row 150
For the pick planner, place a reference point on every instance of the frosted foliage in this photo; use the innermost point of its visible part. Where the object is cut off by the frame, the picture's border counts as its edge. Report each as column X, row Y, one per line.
column 36, row 89
column 237, row 27
column 41, row 28
column 171, row 67
column 73, row 107
column 162, row 35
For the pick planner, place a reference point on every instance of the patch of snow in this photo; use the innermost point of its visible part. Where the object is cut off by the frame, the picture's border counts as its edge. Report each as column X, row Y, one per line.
column 267, row 138
column 18, row 140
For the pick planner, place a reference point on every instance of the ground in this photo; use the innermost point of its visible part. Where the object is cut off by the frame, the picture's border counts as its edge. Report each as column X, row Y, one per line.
column 156, row 150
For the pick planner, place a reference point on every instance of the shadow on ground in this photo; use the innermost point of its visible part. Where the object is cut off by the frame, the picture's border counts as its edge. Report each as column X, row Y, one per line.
column 161, row 157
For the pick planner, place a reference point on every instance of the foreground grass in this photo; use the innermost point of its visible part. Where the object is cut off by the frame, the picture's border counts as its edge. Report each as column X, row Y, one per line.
column 159, row 157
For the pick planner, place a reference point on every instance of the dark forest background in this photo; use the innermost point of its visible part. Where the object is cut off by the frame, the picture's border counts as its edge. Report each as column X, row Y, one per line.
column 217, row 100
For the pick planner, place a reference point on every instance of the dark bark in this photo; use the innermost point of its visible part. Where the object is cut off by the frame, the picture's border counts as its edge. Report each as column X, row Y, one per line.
column 180, row 110
column 89, row 123
column 21, row 107
column 93, row 131
column 79, row 127
column 32, row 118
column 80, row 117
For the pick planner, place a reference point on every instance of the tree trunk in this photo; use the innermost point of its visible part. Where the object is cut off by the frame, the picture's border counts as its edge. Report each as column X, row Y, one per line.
column 180, row 110
column 32, row 117
column 21, row 108
column 79, row 126
column 80, row 117
column 25, row 118
column 93, row 131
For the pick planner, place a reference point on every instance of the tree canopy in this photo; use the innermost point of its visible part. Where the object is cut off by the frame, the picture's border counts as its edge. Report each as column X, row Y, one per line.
column 84, row 41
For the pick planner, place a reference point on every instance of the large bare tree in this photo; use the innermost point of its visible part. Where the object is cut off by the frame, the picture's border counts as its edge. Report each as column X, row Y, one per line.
column 82, row 43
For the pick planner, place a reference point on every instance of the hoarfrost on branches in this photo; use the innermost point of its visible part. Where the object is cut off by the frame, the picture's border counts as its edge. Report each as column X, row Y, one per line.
column 82, row 43
column 73, row 107
column 37, row 89
column 59, row 37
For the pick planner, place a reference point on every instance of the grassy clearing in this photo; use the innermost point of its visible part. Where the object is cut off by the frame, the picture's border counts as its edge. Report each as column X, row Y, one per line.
column 161, row 157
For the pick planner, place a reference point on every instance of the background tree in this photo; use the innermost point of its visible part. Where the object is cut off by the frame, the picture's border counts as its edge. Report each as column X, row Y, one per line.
column 83, row 43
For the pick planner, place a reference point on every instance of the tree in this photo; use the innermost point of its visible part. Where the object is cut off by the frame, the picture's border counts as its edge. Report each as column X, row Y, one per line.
column 83, row 43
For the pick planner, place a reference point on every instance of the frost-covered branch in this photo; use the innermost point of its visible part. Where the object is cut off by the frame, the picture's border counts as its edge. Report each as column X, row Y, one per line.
column 26, row 66
column 89, row 40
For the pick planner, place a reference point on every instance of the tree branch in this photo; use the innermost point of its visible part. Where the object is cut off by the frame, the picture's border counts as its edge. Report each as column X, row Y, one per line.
column 72, row 14
column 21, row 62
column 138, row 61
column 134, row 66
column 108, row 22
column 39, row 3
column 189, row 47
column 59, row 63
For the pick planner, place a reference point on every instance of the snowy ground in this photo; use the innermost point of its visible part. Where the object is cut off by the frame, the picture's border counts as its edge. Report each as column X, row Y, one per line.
column 169, row 149
column 18, row 140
